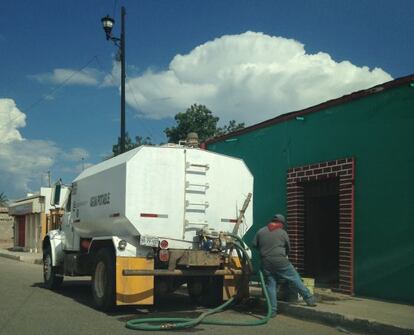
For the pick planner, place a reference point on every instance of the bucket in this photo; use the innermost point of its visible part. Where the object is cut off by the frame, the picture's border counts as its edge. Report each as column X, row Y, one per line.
column 309, row 283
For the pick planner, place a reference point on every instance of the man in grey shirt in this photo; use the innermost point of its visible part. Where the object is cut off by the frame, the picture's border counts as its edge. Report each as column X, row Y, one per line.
column 273, row 244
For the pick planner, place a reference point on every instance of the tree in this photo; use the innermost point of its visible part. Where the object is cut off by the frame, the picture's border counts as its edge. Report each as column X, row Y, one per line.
column 3, row 200
column 232, row 126
column 129, row 144
column 198, row 119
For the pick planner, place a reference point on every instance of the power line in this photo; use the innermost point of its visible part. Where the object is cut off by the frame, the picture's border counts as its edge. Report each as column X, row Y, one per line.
column 112, row 79
column 43, row 98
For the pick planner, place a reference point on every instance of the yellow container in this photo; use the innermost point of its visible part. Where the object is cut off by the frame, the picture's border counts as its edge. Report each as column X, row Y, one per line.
column 309, row 283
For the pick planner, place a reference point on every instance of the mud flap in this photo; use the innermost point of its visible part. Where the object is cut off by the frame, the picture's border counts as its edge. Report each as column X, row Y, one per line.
column 134, row 290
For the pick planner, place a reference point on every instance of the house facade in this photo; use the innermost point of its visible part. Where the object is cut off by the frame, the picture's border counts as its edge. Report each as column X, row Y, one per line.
column 341, row 172
column 31, row 219
column 6, row 228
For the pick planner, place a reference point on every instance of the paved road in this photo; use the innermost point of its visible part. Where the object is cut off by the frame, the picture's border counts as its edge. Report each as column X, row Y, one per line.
column 27, row 308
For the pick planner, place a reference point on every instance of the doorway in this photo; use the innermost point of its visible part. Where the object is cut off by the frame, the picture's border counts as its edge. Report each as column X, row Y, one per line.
column 21, row 230
column 321, row 231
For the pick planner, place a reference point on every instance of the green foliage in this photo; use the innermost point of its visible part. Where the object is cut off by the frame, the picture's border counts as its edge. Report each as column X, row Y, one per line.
column 129, row 144
column 3, row 200
column 232, row 126
column 198, row 119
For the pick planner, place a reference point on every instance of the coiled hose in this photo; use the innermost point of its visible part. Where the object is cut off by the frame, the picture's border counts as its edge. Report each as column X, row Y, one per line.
column 181, row 323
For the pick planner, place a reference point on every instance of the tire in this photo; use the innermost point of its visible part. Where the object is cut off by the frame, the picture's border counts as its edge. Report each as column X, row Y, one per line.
column 206, row 291
column 51, row 277
column 103, row 280
column 196, row 287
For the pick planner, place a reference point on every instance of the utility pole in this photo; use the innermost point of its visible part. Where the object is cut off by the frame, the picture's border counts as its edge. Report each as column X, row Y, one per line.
column 108, row 23
column 122, row 79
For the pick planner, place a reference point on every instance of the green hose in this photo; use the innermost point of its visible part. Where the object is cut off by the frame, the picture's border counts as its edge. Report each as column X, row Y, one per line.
column 180, row 323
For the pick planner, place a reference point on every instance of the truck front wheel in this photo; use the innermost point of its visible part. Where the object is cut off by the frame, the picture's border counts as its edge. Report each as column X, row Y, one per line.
column 103, row 280
column 51, row 277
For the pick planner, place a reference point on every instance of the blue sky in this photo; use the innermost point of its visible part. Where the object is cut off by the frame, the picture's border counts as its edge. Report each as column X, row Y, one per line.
column 246, row 60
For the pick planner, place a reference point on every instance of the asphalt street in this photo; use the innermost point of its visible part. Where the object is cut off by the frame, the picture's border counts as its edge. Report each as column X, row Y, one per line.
column 28, row 308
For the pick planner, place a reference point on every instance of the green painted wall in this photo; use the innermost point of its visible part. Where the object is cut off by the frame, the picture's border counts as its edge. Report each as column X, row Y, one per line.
column 378, row 131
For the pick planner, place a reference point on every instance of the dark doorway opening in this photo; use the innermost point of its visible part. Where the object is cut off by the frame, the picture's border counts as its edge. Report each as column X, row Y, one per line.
column 321, row 240
column 21, row 230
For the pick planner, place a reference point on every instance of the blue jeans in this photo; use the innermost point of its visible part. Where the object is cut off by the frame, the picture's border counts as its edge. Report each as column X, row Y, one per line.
column 288, row 273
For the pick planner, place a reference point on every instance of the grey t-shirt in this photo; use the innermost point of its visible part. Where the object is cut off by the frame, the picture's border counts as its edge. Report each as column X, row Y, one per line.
column 273, row 246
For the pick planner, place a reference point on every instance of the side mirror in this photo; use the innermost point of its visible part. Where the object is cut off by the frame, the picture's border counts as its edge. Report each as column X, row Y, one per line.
column 55, row 196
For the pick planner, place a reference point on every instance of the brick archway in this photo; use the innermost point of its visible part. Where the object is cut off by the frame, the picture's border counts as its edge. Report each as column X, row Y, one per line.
column 344, row 170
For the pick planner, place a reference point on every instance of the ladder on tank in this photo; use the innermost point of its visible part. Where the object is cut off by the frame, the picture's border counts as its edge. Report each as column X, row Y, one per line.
column 195, row 196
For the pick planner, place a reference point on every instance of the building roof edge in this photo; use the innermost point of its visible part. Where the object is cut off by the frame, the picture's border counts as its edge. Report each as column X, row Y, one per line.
column 316, row 108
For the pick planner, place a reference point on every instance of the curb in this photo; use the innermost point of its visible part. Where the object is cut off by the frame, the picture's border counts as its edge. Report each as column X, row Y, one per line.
column 21, row 258
column 16, row 258
column 342, row 321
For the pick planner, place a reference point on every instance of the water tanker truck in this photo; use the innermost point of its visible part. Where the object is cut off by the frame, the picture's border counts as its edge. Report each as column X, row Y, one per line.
column 147, row 221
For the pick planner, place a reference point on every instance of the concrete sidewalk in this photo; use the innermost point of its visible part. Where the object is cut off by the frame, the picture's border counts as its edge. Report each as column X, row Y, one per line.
column 353, row 314
column 22, row 256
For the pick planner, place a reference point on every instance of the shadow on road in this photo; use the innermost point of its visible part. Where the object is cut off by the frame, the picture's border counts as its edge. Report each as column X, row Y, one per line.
column 173, row 305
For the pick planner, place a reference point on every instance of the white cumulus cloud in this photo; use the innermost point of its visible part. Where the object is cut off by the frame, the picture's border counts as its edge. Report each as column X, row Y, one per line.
column 248, row 77
column 86, row 77
column 24, row 162
column 11, row 118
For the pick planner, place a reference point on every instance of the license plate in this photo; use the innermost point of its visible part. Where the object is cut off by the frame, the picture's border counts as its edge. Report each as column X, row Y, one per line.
column 149, row 241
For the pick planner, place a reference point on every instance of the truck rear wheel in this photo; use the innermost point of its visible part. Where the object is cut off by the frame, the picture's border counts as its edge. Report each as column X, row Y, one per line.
column 51, row 277
column 103, row 280
column 206, row 291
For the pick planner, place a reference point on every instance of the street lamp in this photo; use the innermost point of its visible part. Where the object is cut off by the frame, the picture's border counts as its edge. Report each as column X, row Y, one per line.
column 107, row 24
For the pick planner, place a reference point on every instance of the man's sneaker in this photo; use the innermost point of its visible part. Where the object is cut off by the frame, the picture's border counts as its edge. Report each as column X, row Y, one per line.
column 310, row 302
column 273, row 315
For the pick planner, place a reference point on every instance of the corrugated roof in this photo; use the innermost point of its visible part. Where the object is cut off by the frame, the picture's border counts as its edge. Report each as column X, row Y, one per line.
column 327, row 104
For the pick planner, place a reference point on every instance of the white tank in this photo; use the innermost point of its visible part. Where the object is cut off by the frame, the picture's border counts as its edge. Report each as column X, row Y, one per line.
column 164, row 192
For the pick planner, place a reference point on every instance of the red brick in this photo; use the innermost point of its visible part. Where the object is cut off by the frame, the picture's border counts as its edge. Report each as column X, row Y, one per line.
column 345, row 183
column 346, row 191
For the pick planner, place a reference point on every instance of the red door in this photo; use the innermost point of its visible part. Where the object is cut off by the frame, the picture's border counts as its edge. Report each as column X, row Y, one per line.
column 22, row 234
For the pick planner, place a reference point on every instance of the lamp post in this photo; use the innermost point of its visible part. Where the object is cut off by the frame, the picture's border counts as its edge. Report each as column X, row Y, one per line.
column 107, row 24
